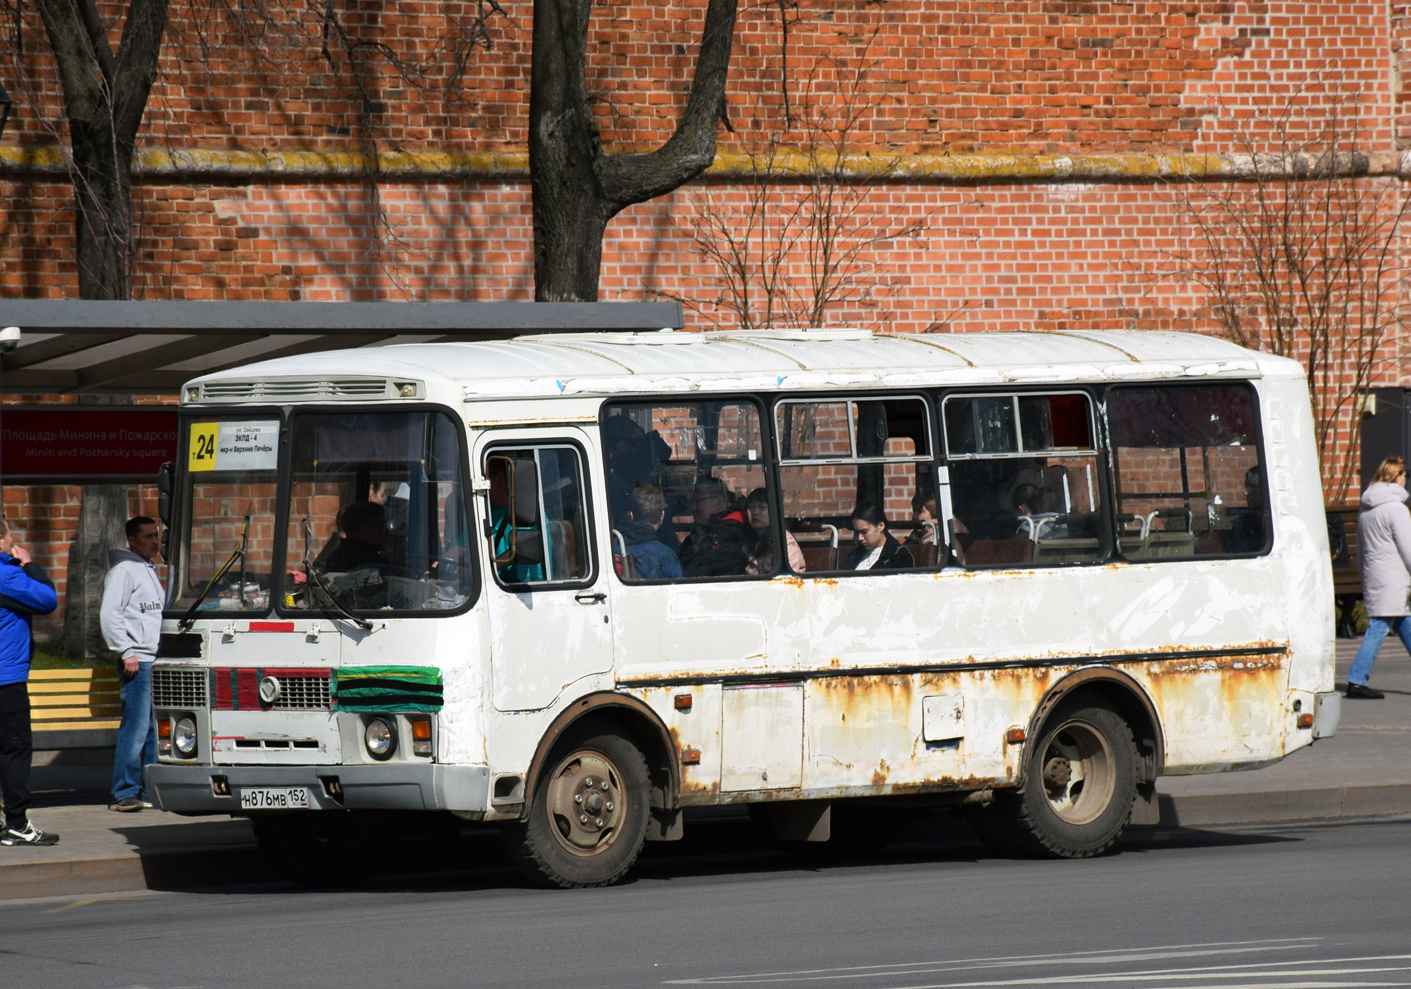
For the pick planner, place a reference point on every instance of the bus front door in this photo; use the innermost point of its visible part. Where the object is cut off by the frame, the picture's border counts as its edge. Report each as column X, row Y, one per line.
column 546, row 589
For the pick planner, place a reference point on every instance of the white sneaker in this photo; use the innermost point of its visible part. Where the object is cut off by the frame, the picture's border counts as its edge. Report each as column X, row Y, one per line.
column 28, row 835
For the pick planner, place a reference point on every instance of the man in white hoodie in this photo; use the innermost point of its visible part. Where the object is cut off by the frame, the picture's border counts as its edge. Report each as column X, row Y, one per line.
column 131, row 617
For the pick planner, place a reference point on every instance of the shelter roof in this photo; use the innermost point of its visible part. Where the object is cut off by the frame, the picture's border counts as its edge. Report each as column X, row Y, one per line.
column 154, row 347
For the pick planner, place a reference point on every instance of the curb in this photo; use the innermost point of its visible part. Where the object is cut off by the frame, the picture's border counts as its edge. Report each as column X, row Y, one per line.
column 1285, row 806
column 125, row 873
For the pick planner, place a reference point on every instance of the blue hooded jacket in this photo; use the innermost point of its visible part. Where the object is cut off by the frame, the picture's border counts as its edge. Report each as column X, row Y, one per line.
column 24, row 591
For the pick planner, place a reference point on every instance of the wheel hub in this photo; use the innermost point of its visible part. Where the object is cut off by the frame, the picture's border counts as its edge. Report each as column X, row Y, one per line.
column 585, row 802
column 1058, row 772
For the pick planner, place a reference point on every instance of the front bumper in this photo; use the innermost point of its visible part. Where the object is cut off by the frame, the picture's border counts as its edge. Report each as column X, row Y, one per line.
column 1327, row 713
column 191, row 789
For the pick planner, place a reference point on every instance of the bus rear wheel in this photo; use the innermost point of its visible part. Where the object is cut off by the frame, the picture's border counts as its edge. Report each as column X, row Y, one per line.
column 1079, row 786
column 588, row 818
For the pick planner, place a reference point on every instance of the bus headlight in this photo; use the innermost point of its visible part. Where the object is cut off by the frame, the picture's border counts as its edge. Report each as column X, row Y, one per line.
column 183, row 737
column 380, row 738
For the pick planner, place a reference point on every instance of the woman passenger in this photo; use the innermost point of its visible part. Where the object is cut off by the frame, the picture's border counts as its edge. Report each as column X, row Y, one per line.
column 876, row 549
column 923, row 510
column 762, row 555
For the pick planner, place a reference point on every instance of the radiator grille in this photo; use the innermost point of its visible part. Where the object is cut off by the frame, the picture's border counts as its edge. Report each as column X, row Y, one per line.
column 179, row 688
column 303, row 693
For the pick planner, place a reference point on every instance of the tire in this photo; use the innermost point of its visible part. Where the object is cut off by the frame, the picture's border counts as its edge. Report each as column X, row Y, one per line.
column 1079, row 786
column 319, row 849
column 588, row 819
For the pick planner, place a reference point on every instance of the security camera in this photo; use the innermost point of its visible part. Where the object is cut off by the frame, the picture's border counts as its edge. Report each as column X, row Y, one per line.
column 9, row 338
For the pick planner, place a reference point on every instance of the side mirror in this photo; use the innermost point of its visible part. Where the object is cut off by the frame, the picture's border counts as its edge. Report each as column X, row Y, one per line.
column 165, row 475
column 524, row 493
column 521, row 476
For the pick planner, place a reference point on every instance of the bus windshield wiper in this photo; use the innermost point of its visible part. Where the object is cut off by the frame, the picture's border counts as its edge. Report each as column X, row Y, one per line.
column 190, row 617
column 317, row 577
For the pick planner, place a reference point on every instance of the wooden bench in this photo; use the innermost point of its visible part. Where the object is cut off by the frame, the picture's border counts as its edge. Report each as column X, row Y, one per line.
column 74, row 709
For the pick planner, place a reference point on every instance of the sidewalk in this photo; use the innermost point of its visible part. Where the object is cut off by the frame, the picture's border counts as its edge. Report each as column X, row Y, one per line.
column 1365, row 771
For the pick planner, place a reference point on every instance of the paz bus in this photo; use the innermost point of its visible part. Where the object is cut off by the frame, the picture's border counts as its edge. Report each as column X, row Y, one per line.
column 574, row 584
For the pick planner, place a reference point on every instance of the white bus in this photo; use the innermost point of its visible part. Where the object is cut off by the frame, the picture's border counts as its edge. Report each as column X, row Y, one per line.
column 574, row 584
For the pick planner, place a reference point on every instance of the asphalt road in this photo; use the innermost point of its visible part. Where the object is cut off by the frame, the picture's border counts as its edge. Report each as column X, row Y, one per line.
column 1293, row 907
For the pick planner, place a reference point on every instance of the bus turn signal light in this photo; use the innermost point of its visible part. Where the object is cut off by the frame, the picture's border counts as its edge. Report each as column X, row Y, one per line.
column 683, row 702
column 1014, row 736
column 1305, row 721
column 690, row 757
column 421, row 737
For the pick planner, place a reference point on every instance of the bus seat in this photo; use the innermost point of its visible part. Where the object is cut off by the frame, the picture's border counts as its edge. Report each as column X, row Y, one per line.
column 988, row 552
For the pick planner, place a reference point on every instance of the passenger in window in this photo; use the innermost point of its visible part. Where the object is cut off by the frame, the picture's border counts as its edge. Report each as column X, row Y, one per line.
column 632, row 457
column 1246, row 533
column 876, row 549
column 395, row 499
column 923, row 511
column 360, row 535
column 652, row 559
column 1029, row 505
column 717, row 543
column 761, row 559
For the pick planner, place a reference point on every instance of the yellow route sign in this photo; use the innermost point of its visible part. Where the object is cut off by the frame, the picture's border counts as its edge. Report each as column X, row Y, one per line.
column 201, row 452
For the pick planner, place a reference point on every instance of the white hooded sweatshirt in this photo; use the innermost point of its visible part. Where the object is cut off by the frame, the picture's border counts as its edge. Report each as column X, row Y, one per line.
column 131, row 615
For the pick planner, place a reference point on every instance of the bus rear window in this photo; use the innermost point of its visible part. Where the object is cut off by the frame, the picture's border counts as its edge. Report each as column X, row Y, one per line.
column 1187, row 471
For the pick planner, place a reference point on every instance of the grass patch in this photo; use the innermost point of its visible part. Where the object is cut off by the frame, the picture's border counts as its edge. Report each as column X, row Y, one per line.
column 50, row 656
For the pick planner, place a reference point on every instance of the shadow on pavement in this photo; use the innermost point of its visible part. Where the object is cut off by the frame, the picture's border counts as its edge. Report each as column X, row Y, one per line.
column 718, row 844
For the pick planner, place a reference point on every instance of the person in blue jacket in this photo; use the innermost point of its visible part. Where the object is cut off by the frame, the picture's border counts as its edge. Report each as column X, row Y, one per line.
column 651, row 558
column 25, row 590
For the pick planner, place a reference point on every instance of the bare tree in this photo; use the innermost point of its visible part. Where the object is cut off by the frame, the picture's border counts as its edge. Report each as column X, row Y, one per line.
column 577, row 188
column 796, row 238
column 105, row 96
column 1300, row 257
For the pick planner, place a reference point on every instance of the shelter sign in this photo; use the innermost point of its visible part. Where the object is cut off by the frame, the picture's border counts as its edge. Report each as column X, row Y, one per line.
column 85, row 443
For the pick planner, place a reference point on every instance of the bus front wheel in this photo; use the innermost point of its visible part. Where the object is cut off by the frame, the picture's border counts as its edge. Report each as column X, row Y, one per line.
column 1079, row 786
column 588, row 818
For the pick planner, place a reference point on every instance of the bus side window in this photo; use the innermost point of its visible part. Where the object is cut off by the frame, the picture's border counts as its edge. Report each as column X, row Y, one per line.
column 1187, row 471
column 1024, row 481
column 839, row 457
column 679, row 475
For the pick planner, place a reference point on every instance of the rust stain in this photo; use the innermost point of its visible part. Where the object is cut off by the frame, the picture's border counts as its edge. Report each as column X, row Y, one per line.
column 696, row 792
column 879, row 775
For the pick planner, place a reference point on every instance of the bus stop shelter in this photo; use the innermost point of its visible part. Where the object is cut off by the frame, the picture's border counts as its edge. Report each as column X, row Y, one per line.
column 152, row 348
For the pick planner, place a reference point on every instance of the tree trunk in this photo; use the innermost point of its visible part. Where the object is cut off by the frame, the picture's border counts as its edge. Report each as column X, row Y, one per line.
column 103, row 195
column 105, row 96
column 577, row 189
column 100, row 528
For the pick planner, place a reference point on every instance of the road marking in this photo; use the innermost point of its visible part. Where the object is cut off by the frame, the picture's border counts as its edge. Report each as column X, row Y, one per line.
column 1097, row 957
column 75, row 903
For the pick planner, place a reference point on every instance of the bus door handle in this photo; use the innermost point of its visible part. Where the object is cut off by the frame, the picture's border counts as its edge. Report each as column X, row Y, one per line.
column 590, row 597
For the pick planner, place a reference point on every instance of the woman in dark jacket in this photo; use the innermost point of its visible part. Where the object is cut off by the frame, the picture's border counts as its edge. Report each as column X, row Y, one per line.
column 876, row 549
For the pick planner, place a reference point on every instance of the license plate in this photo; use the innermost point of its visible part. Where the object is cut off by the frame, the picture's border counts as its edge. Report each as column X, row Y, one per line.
column 274, row 798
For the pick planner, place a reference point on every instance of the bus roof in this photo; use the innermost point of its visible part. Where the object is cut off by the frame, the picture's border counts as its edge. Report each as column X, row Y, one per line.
column 758, row 360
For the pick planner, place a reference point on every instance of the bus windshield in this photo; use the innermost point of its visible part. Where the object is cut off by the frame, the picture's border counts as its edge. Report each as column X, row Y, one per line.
column 377, row 513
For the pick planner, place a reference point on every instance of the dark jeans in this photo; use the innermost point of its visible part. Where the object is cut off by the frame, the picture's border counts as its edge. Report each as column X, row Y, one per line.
column 16, row 749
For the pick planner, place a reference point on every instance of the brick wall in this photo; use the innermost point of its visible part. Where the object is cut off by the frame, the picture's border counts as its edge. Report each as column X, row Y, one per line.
column 999, row 247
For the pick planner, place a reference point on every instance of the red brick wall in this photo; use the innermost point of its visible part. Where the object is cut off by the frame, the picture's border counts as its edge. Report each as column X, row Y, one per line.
column 1054, row 77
